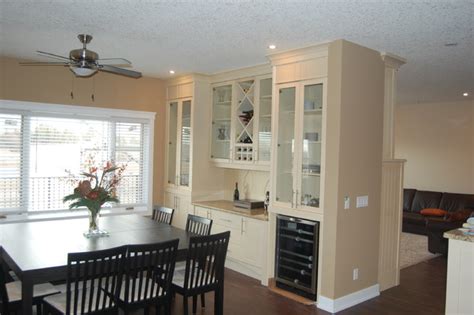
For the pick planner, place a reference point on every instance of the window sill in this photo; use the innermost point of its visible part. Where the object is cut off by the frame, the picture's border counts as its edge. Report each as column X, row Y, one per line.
column 75, row 214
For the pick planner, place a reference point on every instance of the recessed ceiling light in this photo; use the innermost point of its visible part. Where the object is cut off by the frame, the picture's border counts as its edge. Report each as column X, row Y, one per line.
column 171, row 71
column 272, row 46
column 465, row 94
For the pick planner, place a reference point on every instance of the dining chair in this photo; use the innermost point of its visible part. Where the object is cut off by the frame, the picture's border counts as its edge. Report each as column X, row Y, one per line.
column 148, row 273
column 204, row 270
column 10, row 294
column 198, row 225
column 162, row 214
column 201, row 226
column 89, row 279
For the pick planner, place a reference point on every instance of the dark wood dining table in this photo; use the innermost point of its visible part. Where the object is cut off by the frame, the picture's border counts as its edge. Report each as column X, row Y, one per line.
column 37, row 251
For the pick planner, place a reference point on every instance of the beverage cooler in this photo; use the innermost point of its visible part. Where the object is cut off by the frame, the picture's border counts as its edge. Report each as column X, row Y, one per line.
column 297, row 247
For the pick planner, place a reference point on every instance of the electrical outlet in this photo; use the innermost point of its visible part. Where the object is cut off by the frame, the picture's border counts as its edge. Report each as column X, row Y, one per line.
column 362, row 201
column 355, row 274
column 347, row 202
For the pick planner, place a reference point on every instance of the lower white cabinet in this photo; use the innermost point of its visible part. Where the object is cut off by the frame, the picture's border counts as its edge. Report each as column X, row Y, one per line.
column 182, row 207
column 248, row 241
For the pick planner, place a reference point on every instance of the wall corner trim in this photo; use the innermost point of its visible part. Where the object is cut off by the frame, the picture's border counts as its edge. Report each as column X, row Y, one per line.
column 339, row 304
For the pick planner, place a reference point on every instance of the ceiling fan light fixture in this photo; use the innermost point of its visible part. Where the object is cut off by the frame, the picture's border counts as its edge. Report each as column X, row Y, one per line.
column 83, row 71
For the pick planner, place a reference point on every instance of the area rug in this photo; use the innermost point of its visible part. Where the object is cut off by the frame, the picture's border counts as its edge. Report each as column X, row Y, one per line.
column 414, row 249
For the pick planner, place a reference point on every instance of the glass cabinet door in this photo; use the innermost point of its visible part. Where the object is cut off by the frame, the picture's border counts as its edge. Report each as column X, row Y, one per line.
column 185, row 144
column 311, row 146
column 172, row 142
column 221, row 116
column 265, row 120
column 285, row 145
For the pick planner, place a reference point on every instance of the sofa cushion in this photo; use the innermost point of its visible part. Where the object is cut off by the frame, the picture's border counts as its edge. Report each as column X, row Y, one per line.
column 469, row 202
column 459, row 216
column 408, row 195
column 414, row 218
column 453, row 202
column 425, row 199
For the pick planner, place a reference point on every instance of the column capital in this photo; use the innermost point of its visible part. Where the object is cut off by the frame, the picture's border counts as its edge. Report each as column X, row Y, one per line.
column 393, row 61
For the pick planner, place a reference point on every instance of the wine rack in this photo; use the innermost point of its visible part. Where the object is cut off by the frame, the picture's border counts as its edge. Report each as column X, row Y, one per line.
column 297, row 247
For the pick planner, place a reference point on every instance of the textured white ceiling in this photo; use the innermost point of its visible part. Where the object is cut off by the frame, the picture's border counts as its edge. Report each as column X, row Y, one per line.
column 212, row 36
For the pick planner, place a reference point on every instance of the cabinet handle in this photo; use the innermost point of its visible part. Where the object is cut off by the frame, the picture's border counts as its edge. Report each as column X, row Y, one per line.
column 241, row 226
column 226, row 220
column 296, row 199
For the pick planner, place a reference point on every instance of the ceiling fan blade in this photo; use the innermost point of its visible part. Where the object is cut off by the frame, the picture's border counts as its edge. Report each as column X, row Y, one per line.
column 125, row 72
column 45, row 63
column 50, row 55
column 111, row 61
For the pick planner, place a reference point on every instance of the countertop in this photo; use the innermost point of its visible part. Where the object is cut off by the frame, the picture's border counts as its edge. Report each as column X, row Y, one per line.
column 459, row 235
column 228, row 206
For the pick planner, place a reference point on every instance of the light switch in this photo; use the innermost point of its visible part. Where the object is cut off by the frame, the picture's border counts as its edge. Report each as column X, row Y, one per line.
column 362, row 201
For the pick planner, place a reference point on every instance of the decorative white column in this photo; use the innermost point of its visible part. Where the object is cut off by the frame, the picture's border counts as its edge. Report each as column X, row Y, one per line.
column 392, row 185
column 392, row 64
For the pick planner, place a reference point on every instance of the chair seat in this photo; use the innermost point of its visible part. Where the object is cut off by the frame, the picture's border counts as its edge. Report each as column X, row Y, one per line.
column 178, row 277
column 180, row 265
column 140, row 296
column 58, row 301
column 39, row 291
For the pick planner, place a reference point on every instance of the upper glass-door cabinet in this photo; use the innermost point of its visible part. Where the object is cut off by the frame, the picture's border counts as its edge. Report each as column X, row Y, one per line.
column 265, row 120
column 179, row 143
column 185, row 144
column 221, row 122
column 244, row 121
column 285, row 145
column 172, row 142
column 311, row 135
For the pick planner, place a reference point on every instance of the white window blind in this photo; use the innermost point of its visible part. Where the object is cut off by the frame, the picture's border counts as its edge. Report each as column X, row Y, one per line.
column 36, row 149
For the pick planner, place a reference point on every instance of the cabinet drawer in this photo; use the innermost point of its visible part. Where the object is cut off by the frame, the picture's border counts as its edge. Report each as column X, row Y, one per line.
column 235, row 234
column 226, row 219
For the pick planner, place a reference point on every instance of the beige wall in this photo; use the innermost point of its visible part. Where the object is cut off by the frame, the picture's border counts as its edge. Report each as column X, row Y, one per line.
column 54, row 85
column 354, row 162
column 437, row 140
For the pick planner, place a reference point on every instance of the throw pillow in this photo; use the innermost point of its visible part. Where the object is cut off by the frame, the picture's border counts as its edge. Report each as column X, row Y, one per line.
column 432, row 212
column 460, row 215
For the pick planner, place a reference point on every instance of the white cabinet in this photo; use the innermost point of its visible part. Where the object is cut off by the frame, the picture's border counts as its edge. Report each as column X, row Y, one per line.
column 298, row 148
column 247, row 244
column 178, row 171
column 182, row 207
column 241, row 123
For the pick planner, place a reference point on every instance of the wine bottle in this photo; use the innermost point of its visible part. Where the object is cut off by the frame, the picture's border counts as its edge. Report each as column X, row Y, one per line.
column 236, row 192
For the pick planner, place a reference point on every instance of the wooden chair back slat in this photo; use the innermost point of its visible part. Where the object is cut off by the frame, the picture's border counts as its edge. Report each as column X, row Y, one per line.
column 93, row 280
column 205, row 260
column 3, row 290
column 198, row 225
column 162, row 214
column 149, row 271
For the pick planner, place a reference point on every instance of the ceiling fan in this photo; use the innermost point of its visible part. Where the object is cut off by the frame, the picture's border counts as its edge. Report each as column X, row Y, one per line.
column 85, row 63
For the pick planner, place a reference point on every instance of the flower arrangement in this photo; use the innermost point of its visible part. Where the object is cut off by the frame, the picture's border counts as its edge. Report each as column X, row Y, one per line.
column 98, row 188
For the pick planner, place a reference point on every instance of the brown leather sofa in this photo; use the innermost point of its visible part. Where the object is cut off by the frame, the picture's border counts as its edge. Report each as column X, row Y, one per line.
column 413, row 222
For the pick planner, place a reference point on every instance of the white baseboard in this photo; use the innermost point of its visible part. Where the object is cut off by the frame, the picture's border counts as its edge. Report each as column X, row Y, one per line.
column 339, row 304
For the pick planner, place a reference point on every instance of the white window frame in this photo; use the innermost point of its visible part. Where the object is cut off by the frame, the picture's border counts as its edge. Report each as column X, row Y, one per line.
column 93, row 113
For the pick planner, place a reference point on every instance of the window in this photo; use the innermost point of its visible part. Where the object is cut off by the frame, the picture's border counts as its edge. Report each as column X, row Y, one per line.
column 38, row 145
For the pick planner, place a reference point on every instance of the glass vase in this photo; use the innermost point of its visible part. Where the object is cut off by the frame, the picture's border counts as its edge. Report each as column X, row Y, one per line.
column 94, row 230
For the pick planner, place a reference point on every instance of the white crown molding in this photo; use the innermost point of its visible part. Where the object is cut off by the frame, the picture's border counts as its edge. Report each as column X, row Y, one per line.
column 393, row 61
column 339, row 304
